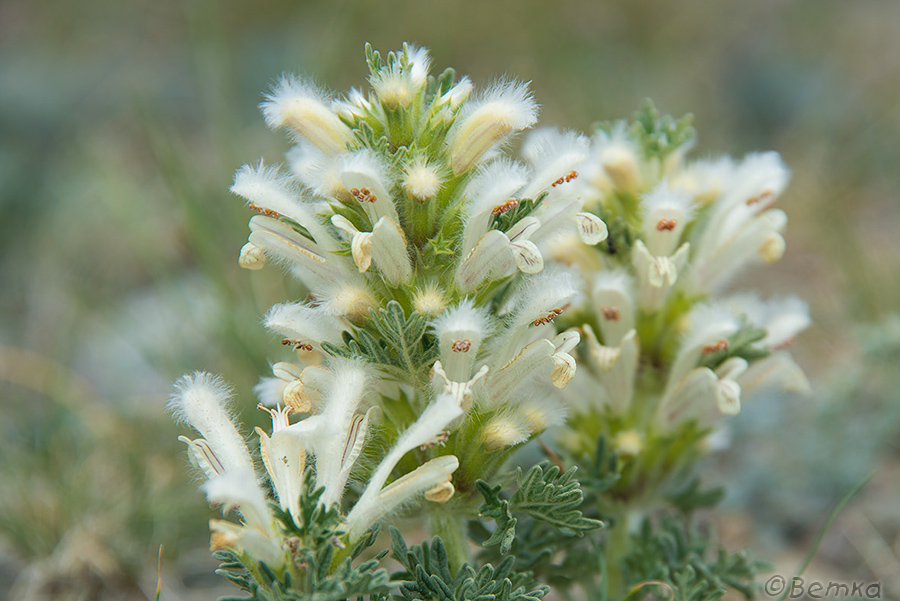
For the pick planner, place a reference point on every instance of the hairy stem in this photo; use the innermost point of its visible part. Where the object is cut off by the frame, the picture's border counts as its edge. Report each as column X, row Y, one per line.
column 452, row 531
column 615, row 549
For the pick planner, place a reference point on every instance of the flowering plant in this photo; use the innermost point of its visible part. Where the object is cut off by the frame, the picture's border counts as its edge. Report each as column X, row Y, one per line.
column 448, row 287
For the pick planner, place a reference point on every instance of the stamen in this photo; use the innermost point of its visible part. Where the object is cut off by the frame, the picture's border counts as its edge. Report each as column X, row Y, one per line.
column 762, row 198
column 461, row 346
column 279, row 416
column 666, row 225
column 363, row 195
column 438, row 440
column 565, row 179
column 297, row 344
column 264, row 211
column 721, row 345
column 549, row 317
column 610, row 313
column 507, row 206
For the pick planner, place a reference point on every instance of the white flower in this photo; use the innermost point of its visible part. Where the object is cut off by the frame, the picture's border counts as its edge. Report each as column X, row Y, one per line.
column 666, row 212
column 266, row 190
column 492, row 191
column 335, row 434
column 553, row 156
column 709, row 327
column 620, row 159
column 705, row 180
column 250, row 541
column 497, row 254
column 346, row 298
column 429, row 300
column 612, row 297
column 303, row 109
column 366, row 177
column 539, row 300
column 385, row 244
column 504, row 109
column 656, row 275
column 781, row 318
column 316, row 170
column 240, row 490
column 758, row 181
column 504, row 430
column 616, row 365
column 563, row 362
column 355, row 106
column 303, row 390
column 312, row 264
column 463, row 392
column 460, row 332
column 539, row 361
column 269, row 391
column 559, row 216
column 778, row 370
column 704, row 394
column 456, row 95
column 202, row 400
column 752, row 239
column 378, row 500
column 303, row 326
column 541, row 414
column 285, row 459
column 742, row 227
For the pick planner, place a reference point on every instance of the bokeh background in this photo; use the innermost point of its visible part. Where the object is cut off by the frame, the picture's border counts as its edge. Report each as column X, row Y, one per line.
column 121, row 124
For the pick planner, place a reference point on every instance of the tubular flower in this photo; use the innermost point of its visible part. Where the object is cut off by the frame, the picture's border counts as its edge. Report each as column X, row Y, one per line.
column 427, row 317
column 668, row 355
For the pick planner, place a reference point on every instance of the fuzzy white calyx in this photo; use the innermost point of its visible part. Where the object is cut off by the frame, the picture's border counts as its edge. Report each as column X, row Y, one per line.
column 202, row 400
column 302, row 108
column 423, row 181
column 503, row 110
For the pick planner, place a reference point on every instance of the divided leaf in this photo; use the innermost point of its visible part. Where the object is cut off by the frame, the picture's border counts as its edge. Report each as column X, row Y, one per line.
column 544, row 496
column 428, row 576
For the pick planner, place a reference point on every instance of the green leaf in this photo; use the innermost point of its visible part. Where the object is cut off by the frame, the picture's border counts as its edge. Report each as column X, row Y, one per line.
column 496, row 507
column 551, row 498
column 691, row 497
column 544, row 496
column 659, row 136
column 676, row 553
column 445, row 80
column 366, row 542
column 373, row 58
column 396, row 342
column 402, row 335
column 428, row 576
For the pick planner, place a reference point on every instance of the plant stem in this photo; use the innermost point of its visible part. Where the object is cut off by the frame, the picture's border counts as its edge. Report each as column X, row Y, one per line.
column 452, row 531
column 616, row 548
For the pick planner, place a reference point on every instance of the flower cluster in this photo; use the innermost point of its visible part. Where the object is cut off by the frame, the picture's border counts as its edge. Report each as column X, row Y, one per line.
column 446, row 289
column 425, row 350
column 669, row 348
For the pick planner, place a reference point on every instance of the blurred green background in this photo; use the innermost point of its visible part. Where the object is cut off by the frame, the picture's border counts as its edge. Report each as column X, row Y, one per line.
column 121, row 124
